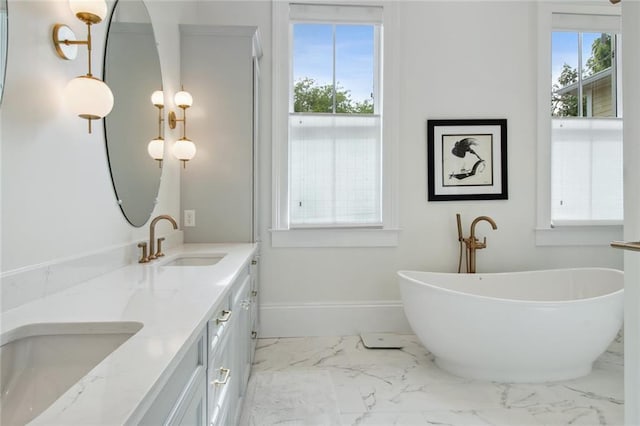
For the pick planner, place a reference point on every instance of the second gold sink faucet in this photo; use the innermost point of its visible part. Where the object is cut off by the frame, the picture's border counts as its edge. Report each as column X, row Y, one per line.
column 472, row 243
column 152, row 239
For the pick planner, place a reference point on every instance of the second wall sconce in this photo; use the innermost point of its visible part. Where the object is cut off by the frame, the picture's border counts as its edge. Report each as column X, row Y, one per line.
column 184, row 149
column 87, row 96
column 155, row 148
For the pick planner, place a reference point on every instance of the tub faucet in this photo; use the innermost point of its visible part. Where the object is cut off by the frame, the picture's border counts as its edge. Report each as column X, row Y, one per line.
column 152, row 234
column 472, row 243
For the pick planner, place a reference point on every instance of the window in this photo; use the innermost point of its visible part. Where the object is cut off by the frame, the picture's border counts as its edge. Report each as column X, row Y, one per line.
column 580, row 125
column 586, row 130
column 330, row 156
column 334, row 121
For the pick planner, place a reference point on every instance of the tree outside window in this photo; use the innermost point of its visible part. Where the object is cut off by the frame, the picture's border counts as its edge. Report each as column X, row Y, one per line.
column 595, row 81
column 309, row 96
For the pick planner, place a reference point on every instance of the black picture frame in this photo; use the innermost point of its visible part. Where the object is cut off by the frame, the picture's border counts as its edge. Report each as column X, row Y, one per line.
column 467, row 159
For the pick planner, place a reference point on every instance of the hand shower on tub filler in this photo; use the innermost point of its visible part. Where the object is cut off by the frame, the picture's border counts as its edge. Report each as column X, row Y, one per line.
column 472, row 243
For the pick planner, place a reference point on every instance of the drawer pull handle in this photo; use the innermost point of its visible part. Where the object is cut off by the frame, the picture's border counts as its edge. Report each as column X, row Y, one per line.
column 254, row 293
column 254, row 334
column 226, row 373
column 224, row 317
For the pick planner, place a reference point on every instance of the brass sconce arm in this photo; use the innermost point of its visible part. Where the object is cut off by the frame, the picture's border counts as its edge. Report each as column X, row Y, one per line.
column 155, row 148
column 184, row 149
column 89, row 97
column 62, row 30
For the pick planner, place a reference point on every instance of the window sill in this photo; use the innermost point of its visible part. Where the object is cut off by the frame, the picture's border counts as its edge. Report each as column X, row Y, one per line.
column 584, row 235
column 351, row 237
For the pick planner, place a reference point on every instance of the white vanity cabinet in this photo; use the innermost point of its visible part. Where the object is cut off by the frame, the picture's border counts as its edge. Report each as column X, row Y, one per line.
column 209, row 383
column 231, row 350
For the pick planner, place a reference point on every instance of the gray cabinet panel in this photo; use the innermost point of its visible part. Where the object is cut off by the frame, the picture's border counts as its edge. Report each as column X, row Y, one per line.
column 218, row 69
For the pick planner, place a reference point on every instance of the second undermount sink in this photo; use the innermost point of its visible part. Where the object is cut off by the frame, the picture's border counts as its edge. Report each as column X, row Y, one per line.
column 40, row 362
column 194, row 259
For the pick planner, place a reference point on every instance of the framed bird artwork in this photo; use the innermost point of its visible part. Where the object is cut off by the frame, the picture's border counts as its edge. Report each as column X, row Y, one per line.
column 467, row 159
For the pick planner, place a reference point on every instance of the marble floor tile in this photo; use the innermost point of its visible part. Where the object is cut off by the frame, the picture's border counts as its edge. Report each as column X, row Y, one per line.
column 339, row 381
column 369, row 418
column 293, row 397
column 509, row 417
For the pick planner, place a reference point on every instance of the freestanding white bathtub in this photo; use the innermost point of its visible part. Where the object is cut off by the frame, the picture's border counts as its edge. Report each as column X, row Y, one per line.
column 515, row 327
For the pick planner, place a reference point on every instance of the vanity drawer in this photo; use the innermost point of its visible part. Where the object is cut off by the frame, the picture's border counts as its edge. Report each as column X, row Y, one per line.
column 217, row 326
column 224, row 317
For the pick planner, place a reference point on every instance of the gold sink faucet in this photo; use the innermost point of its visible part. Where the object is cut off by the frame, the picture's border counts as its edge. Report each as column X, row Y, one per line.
column 152, row 235
column 472, row 243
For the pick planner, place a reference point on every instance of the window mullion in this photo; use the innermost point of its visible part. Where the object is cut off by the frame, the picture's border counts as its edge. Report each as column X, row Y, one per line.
column 334, row 68
column 614, row 69
column 377, row 54
column 580, row 105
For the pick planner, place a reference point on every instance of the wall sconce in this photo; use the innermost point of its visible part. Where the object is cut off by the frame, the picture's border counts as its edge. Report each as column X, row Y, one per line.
column 88, row 97
column 184, row 149
column 156, row 146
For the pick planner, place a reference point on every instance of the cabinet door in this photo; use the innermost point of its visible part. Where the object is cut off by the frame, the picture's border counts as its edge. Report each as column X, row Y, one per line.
column 216, row 67
column 254, row 313
column 244, row 337
column 195, row 413
column 171, row 402
column 256, row 150
column 238, row 347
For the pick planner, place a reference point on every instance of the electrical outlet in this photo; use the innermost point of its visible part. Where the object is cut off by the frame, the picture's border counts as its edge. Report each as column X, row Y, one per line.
column 189, row 218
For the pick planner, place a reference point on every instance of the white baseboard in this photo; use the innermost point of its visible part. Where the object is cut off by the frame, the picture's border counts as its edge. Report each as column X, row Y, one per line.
column 332, row 319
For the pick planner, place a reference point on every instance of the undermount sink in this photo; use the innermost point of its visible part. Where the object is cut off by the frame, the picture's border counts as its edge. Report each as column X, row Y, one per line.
column 195, row 260
column 40, row 362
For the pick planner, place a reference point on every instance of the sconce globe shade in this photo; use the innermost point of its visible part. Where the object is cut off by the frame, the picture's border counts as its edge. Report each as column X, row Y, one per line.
column 184, row 149
column 183, row 99
column 94, row 10
column 88, row 97
column 156, row 149
column 157, row 98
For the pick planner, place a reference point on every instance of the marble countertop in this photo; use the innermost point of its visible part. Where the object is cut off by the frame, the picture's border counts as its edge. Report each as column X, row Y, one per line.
column 173, row 303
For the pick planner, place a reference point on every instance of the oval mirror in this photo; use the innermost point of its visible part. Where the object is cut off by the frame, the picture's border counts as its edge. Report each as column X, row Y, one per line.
column 4, row 37
column 132, row 71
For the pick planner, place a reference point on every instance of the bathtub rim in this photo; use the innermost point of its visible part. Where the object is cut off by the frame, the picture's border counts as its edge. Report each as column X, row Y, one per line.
column 537, row 303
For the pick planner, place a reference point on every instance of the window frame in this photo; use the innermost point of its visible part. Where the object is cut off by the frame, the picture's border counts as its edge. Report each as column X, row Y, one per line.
column 282, row 234
column 589, row 233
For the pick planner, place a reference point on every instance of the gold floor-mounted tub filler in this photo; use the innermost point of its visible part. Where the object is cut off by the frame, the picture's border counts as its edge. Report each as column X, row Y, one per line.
column 472, row 243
